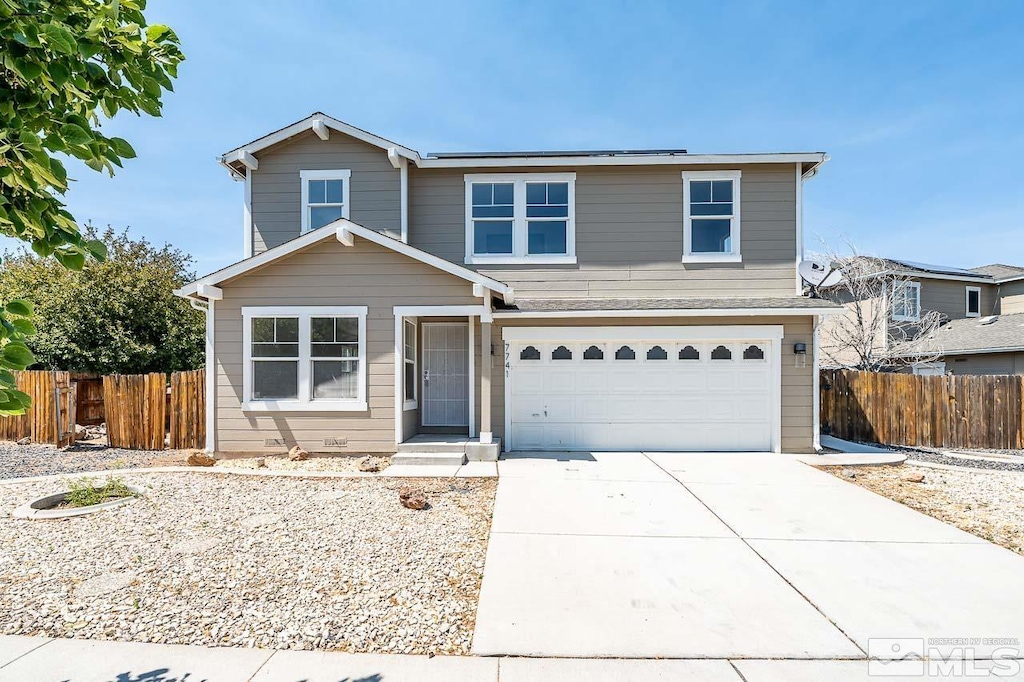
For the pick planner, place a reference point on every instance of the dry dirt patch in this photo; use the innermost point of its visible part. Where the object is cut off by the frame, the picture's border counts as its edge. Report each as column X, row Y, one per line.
column 987, row 504
column 269, row 562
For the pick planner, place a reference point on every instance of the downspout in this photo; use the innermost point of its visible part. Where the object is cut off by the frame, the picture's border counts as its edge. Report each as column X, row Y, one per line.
column 211, row 422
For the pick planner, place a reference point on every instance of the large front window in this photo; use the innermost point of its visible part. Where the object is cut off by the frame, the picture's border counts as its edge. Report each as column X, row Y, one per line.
column 520, row 218
column 711, row 216
column 906, row 301
column 305, row 358
column 325, row 197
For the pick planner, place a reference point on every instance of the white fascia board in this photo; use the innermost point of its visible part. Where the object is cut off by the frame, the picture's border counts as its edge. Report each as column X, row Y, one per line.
column 625, row 160
column 1011, row 278
column 312, row 123
column 914, row 274
column 973, row 351
column 343, row 230
column 725, row 332
column 666, row 312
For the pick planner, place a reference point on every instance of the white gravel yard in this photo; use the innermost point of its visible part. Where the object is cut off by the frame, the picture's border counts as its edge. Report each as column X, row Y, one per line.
column 987, row 504
column 22, row 461
column 270, row 562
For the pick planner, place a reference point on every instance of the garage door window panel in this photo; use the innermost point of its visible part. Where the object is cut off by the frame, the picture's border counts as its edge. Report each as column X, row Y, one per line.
column 593, row 353
column 561, row 353
column 657, row 353
column 689, row 353
column 753, row 352
column 529, row 353
column 721, row 353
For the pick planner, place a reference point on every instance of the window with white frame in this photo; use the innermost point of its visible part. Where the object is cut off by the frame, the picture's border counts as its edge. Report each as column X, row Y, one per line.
column 973, row 301
column 304, row 358
column 906, row 301
column 711, row 216
column 521, row 218
column 411, row 376
column 325, row 197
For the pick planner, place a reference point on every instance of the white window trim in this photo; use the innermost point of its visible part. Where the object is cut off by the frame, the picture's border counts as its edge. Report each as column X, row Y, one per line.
column 307, row 404
column 519, row 253
column 339, row 174
column 414, row 361
column 731, row 257
column 967, row 301
column 896, row 289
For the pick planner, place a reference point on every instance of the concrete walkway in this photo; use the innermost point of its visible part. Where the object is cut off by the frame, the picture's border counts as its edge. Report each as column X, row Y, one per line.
column 725, row 556
column 38, row 659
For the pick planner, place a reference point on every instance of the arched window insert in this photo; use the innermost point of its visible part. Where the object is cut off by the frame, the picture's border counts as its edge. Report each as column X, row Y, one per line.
column 657, row 353
column 753, row 353
column 593, row 353
column 529, row 353
column 721, row 353
column 625, row 353
column 561, row 353
column 689, row 353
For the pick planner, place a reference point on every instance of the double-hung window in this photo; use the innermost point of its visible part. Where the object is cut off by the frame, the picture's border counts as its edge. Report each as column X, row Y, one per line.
column 521, row 218
column 325, row 197
column 906, row 301
column 711, row 216
column 304, row 358
column 411, row 376
column 973, row 301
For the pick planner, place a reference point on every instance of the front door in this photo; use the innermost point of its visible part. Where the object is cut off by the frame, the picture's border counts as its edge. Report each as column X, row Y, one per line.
column 445, row 374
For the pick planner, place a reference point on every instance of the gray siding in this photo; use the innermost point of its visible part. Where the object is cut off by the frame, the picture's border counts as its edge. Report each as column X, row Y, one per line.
column 629, row 235
column 950, row 297
column 986, row 363
column 1011, row 297
column 326, row 274
column 375, row 193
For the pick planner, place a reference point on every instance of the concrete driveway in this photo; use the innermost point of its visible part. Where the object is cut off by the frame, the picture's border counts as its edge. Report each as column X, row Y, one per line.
column 757, row 556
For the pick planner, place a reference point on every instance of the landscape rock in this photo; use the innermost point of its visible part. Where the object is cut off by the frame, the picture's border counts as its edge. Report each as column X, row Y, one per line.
column 297, row 454
column 848, row 473
column 200, row 459
column 914, row 478
column 261, row 462
column 369, row 464
column 25, row 441
column 412, row 498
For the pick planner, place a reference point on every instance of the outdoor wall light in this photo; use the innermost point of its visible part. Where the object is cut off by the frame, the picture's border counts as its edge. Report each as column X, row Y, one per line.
column 800, row 348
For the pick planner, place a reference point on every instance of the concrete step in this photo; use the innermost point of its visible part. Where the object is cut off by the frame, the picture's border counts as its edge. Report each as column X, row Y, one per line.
column 428, row 458
column 439, row 446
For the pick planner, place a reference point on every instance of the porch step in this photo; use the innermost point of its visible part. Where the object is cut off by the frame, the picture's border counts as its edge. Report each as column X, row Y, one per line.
column 429, row 458
column 439, row 445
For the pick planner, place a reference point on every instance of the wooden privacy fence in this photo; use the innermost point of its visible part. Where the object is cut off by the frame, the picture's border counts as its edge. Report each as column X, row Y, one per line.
column 139, row 410
column 930, row 411
column 89, row 398
column 51, row 419
column 188, row 410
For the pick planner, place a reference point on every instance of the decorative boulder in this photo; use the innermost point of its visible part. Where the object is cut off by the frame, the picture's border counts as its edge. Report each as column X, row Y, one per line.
column 412, row 498
column 200, row 459
column 25, row 441
column 368, row 464
column 297, row 454
column 914, row 478
column 260, row 462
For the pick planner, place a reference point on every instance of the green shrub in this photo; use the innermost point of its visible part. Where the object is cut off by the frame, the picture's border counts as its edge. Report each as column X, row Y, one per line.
column 84, row 493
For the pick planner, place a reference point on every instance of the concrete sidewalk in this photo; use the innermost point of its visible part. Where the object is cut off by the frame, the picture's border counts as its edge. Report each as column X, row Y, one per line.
column 74, row 660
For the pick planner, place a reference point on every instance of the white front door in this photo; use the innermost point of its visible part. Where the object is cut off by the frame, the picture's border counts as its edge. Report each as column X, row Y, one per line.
column 445, row 374
column 603, row 389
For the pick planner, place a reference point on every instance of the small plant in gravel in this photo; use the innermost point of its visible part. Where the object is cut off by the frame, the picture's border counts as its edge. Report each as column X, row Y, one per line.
column 82, row 492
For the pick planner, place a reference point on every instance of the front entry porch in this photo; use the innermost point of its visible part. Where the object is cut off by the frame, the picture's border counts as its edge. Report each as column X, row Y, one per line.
column 446, row 449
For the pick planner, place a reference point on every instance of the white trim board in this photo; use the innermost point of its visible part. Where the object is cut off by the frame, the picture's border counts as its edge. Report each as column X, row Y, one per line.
column 343, row 230
column 726, row 332
column 670, row 159
column 666, row 312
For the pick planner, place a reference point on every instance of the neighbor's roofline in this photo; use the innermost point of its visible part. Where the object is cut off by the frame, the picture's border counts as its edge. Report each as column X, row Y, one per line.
column 342, row 229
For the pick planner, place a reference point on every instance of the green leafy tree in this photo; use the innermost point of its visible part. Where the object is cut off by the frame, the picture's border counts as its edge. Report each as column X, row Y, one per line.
column 118, row 316
column 64, row 64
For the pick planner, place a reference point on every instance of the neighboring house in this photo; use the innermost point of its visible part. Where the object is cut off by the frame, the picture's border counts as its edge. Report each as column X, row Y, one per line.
column 547, row 300
column 978, row 309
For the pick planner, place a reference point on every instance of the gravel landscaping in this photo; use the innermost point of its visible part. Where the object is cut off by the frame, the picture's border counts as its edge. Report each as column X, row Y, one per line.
column 19, row 461
column 341, row 463
column 1001, row 460
column 268, row 562
column 987, row 504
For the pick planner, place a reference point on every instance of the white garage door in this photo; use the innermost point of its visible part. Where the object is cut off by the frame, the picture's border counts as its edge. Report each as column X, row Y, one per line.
column 643, row 388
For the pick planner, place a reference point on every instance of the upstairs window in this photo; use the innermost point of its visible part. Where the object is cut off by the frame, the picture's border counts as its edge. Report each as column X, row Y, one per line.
column 711, row 216
column 325, row 197
column 520, row 218
column 906, row 301
column 973, row 301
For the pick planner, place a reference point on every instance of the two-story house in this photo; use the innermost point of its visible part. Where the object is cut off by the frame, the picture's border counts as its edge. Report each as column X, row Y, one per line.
column 577, row 300
column 979, row 313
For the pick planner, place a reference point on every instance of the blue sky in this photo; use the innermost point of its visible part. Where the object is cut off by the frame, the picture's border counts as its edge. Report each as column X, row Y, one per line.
column 919, row 104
